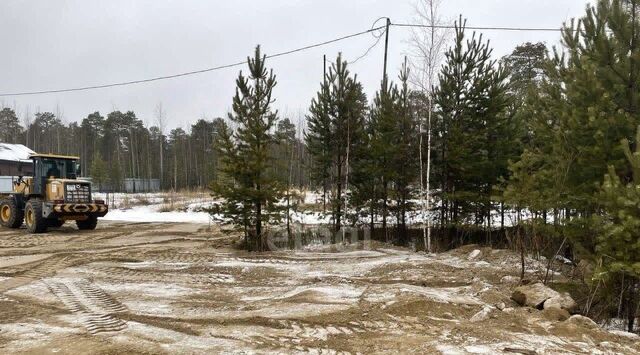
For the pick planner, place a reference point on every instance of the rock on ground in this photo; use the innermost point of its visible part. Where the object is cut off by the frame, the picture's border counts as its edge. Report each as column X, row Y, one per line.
column 562, row 301
column 482, row 315
column 508, row 279
column 475, row 255
column 533, row 295
column 539, row 296
column 582, row 321
column 556, row 314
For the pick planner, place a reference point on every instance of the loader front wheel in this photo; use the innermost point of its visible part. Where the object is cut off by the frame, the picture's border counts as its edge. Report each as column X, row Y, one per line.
column 33, row 218
column 10, row 215
column 88, row 224
column 55, row 223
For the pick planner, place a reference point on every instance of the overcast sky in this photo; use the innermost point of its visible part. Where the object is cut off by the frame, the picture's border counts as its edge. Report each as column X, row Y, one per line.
column 61, row 44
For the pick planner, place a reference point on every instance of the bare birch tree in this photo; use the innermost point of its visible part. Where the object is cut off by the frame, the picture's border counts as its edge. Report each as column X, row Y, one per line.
column 161, row 122
column 426, row 49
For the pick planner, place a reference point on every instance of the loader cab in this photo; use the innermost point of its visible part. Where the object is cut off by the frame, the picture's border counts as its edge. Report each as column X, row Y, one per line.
column 50, row 166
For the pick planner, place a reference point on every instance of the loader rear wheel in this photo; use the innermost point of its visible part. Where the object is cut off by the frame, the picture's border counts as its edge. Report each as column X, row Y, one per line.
column 33, row 218
column 10, row 215
column 88, row 224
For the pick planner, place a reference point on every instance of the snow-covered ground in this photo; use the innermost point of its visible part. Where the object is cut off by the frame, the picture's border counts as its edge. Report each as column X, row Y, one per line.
column 151, row 214
column 157, row 207
column 188, row 207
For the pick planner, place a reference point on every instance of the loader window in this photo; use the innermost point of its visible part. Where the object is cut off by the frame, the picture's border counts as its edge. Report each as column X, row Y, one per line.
column 71, row 172
column 51, row 168
column 59, row 168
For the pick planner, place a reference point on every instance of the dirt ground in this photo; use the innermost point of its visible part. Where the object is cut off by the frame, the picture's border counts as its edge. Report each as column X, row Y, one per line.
column 180, row 288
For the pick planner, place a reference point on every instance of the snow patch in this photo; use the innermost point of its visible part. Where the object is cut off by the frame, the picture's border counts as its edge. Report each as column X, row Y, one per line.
column 150, row 214
column 442, row 295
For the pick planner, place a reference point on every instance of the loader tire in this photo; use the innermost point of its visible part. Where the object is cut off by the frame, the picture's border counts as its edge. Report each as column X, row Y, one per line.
column 88, row 224
column 56, row 223
column 33, row 218
column 10, row 215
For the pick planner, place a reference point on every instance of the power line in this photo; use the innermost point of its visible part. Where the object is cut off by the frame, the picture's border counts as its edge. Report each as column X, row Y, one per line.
column 377, row 37
column 366, row 52
column 194, row 72
column 280, row 54
column 481, row 28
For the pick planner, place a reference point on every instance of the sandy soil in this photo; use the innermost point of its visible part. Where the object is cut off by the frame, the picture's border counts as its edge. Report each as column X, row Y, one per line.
column 179, row 288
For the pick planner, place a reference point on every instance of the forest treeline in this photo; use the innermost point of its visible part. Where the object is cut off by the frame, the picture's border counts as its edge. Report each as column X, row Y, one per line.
column 119, row 145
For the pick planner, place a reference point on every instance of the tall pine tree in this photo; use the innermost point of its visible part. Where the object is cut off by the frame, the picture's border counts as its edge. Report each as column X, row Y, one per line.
column 618, row 244
column 251, row 192
column 336, row 131
column 405, row 142
column 471, row 129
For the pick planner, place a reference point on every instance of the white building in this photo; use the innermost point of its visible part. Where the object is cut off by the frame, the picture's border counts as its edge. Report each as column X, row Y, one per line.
column 14, row 162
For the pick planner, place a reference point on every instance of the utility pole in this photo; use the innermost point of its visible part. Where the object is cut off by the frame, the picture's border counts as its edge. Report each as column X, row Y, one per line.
column 386, row 48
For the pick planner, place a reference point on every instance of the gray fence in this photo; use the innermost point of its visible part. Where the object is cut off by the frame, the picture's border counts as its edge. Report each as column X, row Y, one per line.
column 129, row 185
column 141, row 185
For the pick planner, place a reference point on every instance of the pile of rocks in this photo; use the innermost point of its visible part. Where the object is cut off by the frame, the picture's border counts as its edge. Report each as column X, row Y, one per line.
column 537, row 295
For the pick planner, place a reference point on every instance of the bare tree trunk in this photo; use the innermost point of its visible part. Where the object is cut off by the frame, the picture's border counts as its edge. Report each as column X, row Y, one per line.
column 631, row 303
column 289, row 192
column 427, row 46
column 339, row 204
column 160, row 120
column 426, row 202
column 521, row 239
column 346, row 180
column 384, row 208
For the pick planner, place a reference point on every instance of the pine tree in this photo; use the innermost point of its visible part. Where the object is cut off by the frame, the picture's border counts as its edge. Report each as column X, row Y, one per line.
column 92, row 131
column 286, row 138
column 405, row 144
column 585, row 105
column 525, row 66
column 319, row 138
column 251, row 197
column 619, row 242
column 537, row 175
column 220, row 127
column 99, row 173
column 115, row 177
column 472, row 101
column 384, row 117
column 365, row 189
column 10, row 129
column 601, row 77
column 336, row 131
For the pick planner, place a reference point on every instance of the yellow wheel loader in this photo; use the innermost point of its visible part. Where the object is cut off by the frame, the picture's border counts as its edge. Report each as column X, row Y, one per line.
column 52, row 196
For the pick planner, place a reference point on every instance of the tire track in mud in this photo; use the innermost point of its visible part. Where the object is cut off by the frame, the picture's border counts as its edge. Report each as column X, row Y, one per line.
column 133, row 275
column 60, row 245
column 72, row 238
column 97, row 310
column 42, row 269
column 63, row 241
column 300, row 332
column 278, row 343
column 212, row 258
column 304, row 330
column 29, row 241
